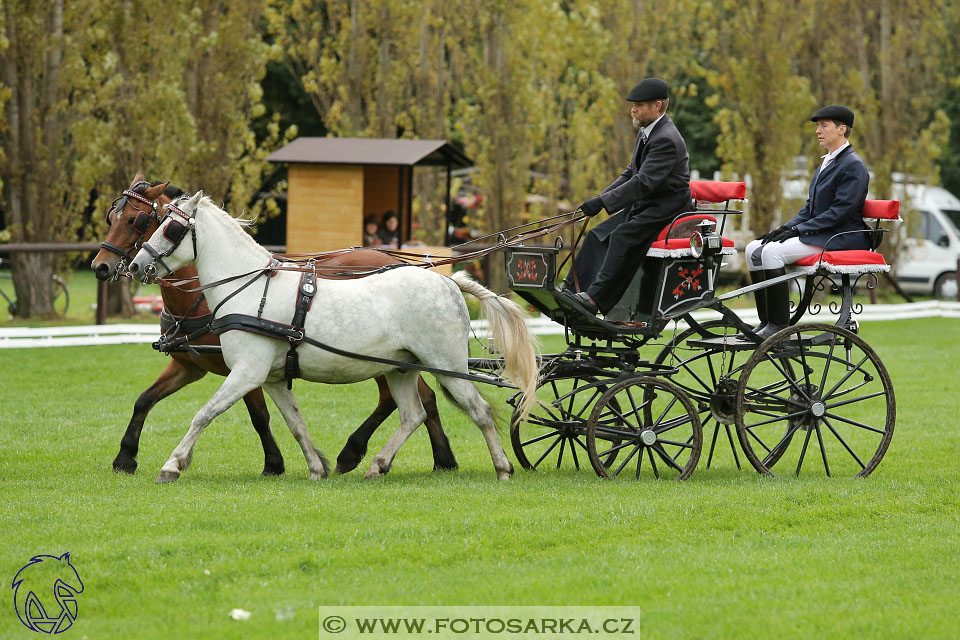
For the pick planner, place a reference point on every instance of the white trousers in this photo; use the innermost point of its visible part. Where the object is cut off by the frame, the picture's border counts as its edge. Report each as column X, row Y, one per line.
column 776, row 255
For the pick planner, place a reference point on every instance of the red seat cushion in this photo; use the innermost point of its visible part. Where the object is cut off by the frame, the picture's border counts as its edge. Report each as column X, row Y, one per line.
column 710, row 191
column 882, row 209
column 845, row 258
column 682, row 243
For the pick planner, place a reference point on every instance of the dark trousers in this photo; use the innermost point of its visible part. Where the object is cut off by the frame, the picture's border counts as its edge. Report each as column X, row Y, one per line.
column 612, row 251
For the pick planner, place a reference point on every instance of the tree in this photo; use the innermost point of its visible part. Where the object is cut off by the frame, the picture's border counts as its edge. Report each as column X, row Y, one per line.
column 49, row 62
column 761, row 98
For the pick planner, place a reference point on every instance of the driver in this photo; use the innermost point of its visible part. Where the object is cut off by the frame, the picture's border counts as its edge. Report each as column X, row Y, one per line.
column 650, row 192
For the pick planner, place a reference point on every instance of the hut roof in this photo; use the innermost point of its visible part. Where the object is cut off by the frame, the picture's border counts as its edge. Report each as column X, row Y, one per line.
column 378, row 151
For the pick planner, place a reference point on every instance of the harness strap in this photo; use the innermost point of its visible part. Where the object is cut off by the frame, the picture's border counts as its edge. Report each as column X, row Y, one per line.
column 281, row 331
column 308, row 288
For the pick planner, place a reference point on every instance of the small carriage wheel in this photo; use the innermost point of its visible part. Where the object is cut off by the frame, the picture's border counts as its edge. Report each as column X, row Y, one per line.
column 557, row 428
column 816, row 398
column 61, row 296
column 653, row 422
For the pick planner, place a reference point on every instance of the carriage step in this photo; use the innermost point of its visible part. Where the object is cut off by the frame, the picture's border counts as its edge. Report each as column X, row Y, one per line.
column 733, row 343
column 548, row 302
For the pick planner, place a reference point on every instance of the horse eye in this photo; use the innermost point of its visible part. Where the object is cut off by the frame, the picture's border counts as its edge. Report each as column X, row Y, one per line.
column 129, row 220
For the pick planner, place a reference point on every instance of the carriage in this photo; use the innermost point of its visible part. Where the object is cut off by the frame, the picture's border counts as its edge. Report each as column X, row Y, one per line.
column 813, row 399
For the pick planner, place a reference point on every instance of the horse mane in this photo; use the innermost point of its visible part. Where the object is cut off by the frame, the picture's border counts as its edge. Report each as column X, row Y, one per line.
column 236, row 229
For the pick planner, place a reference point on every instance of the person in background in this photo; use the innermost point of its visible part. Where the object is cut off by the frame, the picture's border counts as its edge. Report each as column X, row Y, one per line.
column 835, row 204
column 370, row 229
column 390, row 230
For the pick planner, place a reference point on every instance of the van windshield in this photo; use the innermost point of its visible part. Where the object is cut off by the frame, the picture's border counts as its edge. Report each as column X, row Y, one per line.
column 954, row 216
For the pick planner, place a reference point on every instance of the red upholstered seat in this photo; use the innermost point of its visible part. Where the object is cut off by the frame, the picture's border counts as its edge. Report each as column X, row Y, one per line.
column 852, row 261
column 696, row 216
column 881, row 209
column 710, row 191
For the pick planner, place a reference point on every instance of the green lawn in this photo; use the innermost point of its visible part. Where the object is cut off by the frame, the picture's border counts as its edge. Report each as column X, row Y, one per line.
column 726, row 554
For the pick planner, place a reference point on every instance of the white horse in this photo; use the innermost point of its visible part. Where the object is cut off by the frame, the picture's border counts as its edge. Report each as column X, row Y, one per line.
column 407, row 314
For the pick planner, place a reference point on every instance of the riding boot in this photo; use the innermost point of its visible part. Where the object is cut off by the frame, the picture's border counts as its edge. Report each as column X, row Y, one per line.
column 760, row 296
column 778, row 304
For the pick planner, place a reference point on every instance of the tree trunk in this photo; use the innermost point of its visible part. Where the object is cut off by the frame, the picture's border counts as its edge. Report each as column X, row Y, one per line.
column 33, row 283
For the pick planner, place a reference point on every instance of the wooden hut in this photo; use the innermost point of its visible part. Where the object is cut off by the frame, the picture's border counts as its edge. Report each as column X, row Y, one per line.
column 334, row 183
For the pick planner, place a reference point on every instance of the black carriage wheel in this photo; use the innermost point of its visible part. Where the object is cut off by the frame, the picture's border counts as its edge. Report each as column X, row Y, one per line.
column 556, row 429
column 820, row 407
column 653, row 423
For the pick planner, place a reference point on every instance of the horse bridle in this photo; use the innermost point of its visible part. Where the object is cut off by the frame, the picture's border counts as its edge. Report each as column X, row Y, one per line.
column 175, row 232
column 140, row 223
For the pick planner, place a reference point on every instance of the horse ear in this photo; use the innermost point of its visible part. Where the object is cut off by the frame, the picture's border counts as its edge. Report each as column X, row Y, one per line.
column 194, row 200
column 137, row 178
column 154, row 192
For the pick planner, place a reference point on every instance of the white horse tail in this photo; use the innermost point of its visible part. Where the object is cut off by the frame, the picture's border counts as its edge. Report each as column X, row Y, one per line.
column 511, row 337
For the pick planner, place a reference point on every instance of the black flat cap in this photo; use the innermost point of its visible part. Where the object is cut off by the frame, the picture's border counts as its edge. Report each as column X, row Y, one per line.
column 649, row 89
column 836, row 112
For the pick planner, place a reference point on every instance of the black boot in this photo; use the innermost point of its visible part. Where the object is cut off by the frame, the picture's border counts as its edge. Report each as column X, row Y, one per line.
column 778, row 304
column 760, row 295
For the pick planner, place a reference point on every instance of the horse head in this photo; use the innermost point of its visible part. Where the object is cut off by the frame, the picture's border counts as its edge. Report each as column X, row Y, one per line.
column 165, row 245
column 132, row 217
column 35, row 581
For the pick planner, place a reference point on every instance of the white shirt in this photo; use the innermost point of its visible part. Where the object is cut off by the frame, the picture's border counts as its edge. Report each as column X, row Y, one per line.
column 647, row 129
column 828, row 158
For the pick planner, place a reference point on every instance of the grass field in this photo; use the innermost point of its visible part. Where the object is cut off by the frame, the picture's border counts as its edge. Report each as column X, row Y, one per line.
column 726, row 554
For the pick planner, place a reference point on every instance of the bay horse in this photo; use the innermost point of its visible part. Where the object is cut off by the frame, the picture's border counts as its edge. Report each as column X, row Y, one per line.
column 405, row 315
column 133, row 219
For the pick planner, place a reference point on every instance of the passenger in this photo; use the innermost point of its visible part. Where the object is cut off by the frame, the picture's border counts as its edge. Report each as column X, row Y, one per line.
column 835, row 203
column 651, row 191
column 389, row 231
column 370, row 228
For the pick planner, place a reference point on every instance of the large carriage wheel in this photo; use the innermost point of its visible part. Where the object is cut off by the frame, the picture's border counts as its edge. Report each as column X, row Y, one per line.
column 556, row 428
column 820, row 402
column 653, row 422
column 709, row 376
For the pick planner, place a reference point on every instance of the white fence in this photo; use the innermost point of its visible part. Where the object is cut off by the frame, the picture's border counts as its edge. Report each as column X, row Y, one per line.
column 26, row 337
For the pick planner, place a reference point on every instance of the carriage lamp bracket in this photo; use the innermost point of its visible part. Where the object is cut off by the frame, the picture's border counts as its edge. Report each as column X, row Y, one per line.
column 706, row 241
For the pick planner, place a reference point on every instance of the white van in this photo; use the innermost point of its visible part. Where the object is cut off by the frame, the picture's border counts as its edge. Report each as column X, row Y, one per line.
column 927, row 263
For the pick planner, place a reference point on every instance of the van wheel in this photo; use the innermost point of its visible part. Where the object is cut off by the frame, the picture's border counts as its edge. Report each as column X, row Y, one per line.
column 945, row 287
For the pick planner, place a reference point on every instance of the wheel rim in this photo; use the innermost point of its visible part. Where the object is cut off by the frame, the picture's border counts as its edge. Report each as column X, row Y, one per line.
column 709, row 377
column 553, row 436
column 825, row 408
column 653, row 426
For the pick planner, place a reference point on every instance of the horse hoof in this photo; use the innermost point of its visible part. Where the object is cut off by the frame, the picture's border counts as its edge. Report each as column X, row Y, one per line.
column 345, row 467
column 371, row 474
column 124, row 468
column 445, row 467
column 273, row 471
column 167, row 476
column 504, row 475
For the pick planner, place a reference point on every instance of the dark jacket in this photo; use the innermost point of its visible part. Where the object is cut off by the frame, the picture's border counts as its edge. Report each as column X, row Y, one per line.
column 835, row 204
column 658, row 169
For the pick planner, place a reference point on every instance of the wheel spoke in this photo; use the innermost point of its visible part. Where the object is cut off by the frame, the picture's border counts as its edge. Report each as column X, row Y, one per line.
column 540, row 437
column 852, row 400
column 854, row 423
column 713, row 442
column 547, row 452
column 653, row 463
column 563, row 444
column 779, row 448
column 733, row 448
column 788, row 378
column 622, row 445
column 624, row 463
column 803, row 452
column 788, row 416
column 844, row 443
column 847, row 376
column 826, row 366
column 673, row 443
column 823, row 452
column 573, row 452
column 666, row 458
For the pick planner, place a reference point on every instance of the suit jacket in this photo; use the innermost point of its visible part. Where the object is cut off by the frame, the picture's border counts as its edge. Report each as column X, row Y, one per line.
column 658, row 170
column 835, row 204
